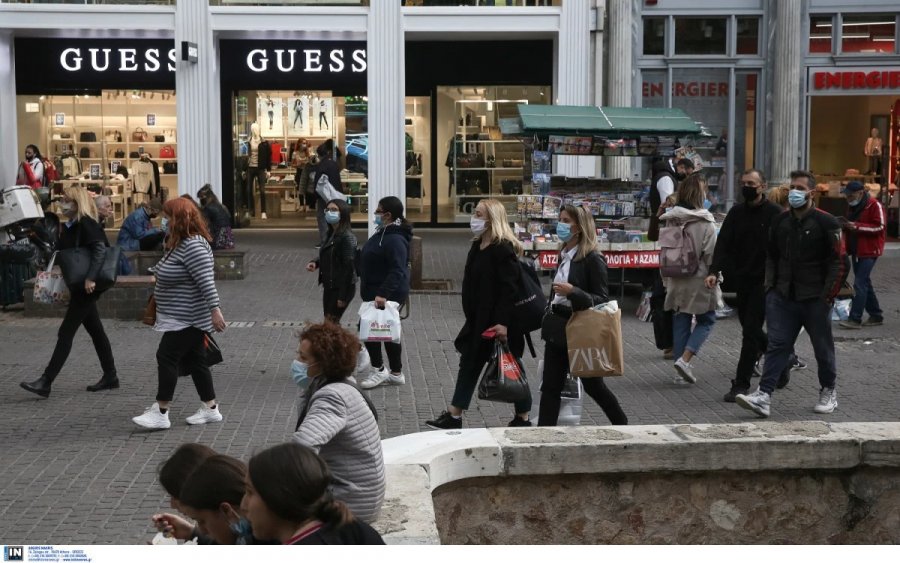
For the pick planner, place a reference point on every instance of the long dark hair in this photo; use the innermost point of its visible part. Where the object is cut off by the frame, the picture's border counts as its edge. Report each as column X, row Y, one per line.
column 206, row 195
column 393, row 205
column 37, row 151
column 344, row 223
column 174, row 471
column 293, row 482
column 217, row 479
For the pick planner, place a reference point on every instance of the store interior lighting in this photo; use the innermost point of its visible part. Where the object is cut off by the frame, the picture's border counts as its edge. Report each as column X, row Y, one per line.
column 857, row 24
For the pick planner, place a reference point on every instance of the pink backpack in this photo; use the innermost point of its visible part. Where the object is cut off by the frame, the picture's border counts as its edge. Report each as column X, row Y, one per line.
column 677, row 252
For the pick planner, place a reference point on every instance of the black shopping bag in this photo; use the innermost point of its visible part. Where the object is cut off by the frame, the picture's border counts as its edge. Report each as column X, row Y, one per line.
column 503, row 380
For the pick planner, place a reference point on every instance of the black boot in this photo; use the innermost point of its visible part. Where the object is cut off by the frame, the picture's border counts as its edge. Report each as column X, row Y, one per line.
column 40, row 386
column 106, row 382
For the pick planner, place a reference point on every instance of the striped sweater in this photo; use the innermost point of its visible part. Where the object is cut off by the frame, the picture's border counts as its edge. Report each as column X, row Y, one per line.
column 185, row 284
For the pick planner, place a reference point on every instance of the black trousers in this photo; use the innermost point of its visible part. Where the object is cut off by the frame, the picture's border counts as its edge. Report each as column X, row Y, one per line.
column 556, row 367
column 394, row 354
column 152, row 242
column 181, row 352
column 662, row 320
column 330, row 306
column 751, row 307
column 259, row 174
column 82, row 311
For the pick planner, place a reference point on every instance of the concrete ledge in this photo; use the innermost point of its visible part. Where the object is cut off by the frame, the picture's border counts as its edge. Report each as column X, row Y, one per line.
column 229, row 264
column 125, row 301
column 690, row 450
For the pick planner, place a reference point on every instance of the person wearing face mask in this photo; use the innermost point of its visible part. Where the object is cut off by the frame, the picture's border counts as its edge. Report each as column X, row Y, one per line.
column 865, row 232
column 579, row 283
column 490, row 284
column 217, row 218
column 327, row 166
column 804, row 268
column 694, row 296
column 384, row 276
column 337, row 276
column 741, row 250
column 337, row 420
column 80, row 229
column 138, row 233
column 684, row 168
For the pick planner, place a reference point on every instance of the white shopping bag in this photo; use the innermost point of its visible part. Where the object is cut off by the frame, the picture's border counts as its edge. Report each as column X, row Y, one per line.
column 379, row 325
column 326, row 191
column 363, row 364
column 570, row 400
column 840, row 311
column 50, row 286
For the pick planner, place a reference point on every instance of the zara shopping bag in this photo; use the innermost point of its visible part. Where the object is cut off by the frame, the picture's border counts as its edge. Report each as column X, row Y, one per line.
column 379, row 325
column 50, row 287
column 503, row 380
column 594, row 339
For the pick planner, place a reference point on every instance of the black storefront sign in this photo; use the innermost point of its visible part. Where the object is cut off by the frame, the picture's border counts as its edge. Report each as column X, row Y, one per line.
column 61, row 66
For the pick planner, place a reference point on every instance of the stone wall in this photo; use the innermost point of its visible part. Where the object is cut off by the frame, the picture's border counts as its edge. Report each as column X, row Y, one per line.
column 125, row 301
column 229, row 264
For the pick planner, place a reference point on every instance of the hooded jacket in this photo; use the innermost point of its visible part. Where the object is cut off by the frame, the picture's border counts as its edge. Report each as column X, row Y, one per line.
column 384, row 264
column 690, row 295
column 867, row 239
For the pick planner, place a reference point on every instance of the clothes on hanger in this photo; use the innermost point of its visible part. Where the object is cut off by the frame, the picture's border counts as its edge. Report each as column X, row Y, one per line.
column 146, row 176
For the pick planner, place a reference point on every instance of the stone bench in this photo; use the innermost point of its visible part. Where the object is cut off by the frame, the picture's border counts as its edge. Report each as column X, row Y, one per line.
column 755, row 483
column 229, row 264
column 124, row 301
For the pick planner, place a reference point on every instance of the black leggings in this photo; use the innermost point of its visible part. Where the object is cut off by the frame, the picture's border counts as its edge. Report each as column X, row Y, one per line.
column 82, row 311
column 330, row 306
column 394, row 354
column 181, row 352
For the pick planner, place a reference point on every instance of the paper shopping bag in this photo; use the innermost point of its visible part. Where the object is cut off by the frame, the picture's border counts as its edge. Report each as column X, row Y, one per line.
column 379, row 325
column 594, row 339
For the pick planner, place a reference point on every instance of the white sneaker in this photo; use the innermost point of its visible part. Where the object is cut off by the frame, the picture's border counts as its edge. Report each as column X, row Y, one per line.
column 685, row 370
column 263, row 216
column 381, row 377
column 205, row 414
column 827, row 401
column 758, row 402
column 153, row 419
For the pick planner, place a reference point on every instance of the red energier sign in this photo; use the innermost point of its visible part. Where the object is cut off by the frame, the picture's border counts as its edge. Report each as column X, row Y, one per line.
column 886, row 79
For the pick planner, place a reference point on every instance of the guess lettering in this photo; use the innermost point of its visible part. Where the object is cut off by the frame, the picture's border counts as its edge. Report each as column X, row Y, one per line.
column 306, row 60
column 123, row 60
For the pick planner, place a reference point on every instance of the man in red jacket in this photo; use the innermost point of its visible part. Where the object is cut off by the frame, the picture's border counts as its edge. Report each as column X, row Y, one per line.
column 865, row 231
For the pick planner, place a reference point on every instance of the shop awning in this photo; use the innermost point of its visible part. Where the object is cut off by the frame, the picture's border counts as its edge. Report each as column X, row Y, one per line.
column 575, row 120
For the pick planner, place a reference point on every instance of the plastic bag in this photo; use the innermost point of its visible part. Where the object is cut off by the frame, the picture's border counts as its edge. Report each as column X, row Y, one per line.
column 379, row 325
column 644, row 311
column 503, row 379
column 363, row 364
column 50, row 287
column 841, row 310
column 570, row 400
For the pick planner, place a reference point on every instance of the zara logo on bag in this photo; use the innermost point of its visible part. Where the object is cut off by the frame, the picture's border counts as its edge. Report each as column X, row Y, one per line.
column 589, row 359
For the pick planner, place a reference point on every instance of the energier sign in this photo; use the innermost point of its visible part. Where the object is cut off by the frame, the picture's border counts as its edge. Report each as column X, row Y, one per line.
column 121, row 59
column 306, row 60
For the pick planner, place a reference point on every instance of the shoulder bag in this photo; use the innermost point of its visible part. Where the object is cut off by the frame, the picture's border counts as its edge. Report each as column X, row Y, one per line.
column 139, row 135
column 76, row 262
column 150, row 311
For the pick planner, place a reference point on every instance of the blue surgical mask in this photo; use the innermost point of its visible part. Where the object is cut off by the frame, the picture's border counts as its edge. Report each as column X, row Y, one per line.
column 707, row 204
column 855, row 203
column 332, row 217
column 797, row 198
column 164, row 224
column 300, row 373
column 378, row 220
column 241, row 530
column 564, row 232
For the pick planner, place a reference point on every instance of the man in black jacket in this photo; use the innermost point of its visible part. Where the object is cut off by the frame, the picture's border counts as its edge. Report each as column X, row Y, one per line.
column 741, row 245
column 803, row 274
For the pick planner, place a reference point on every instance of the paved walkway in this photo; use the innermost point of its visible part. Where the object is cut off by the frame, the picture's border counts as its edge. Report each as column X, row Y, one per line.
column 75, row 469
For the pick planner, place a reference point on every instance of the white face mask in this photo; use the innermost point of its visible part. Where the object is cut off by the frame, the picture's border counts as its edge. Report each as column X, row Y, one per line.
column 477, row 225
column 66, row 208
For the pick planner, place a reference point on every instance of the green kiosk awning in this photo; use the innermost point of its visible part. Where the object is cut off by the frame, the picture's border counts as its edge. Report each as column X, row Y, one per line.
column 589, row 120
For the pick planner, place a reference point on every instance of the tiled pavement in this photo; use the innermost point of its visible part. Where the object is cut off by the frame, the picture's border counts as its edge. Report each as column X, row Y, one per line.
column 74, row 468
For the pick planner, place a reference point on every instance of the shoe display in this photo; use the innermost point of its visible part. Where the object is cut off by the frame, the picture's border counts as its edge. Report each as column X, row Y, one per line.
column 685, row 370
column 827, row 401
column 40, row 386
column 850, row 324
column 758, row 402
column 518, row 422
column 153, row 419
column 734, row 392
column 104, row 383
column 205, row 414
column 446, row 422
column 873, row 321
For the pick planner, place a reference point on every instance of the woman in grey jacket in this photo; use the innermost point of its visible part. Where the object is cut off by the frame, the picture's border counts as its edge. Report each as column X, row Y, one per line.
column 337, row 420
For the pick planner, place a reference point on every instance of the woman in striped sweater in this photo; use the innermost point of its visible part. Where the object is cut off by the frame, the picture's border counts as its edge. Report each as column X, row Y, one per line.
column 187, row 309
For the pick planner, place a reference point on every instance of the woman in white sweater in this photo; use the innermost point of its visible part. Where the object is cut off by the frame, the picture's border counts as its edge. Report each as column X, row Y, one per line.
column 337, row 420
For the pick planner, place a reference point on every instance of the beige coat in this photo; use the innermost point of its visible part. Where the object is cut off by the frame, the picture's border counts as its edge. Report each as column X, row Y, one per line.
column 690, row 295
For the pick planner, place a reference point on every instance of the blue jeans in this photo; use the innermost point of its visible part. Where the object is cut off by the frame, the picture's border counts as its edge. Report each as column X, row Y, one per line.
column 864, row 297
column 684, row 338
column 784, row 318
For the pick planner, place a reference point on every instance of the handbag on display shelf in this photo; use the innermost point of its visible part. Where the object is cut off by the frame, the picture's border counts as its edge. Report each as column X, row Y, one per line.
column 112, row 136
column 134, row 154
column 65, row 136
column 166, row 151
column 159, row 138
column 139, row 135
column 170, row 167
column 115, row 153
column 169, row 135
column 84, row 152
column 87, row 137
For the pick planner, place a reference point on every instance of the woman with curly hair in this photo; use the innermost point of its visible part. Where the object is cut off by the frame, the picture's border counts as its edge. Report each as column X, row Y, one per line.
column 187, row 310
column 337, row 420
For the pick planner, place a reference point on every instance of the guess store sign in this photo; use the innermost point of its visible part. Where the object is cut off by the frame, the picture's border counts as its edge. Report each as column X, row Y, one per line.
column 854, row 80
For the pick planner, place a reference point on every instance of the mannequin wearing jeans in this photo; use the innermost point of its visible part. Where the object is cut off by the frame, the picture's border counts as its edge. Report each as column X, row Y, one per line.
column 258, row 167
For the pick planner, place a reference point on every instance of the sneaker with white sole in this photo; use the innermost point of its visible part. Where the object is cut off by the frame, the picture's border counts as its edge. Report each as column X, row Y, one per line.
column 153, row 418
column 205, row 414
column 685, row 370
column 758, row 402
column 827, row 401
column 382, row 377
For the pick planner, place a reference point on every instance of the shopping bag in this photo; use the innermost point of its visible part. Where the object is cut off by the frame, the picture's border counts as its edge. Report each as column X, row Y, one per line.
column 644, row 310
column 326, row 191
column 840, row 311
column 363, row 364
column 570, row 400
column 212, row 350
column 49, row 285
column 594, row 339
column 503, row 379
column 379, row 325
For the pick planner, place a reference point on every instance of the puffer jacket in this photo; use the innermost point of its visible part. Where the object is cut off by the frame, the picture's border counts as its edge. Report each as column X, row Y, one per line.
column 690, row 295
column 866, row 239
column 384, row 264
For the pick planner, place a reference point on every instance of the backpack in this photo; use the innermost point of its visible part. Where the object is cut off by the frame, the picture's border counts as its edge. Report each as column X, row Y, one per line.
column 530, row 303
column 677, row 252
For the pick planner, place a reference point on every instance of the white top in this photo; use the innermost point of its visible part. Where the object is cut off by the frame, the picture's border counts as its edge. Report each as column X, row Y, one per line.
column 165, row 323
column 666, row 187
column 562, row 275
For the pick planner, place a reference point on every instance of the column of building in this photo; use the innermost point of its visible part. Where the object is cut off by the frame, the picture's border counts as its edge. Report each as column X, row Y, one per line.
column 786, row 98
column 620, row 65
column 573, row 68
column 9, row 151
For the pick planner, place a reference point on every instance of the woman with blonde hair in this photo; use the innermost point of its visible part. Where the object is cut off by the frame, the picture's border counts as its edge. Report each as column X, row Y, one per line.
column 80, row 228
column 489, row 287
column 187, row 310
column 580, row 283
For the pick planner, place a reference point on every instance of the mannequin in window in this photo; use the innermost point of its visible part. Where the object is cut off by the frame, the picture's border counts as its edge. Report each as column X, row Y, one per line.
column 258, row 166
column 298, row 112
column 873, row 152
column 323, row 108
column 270, row 109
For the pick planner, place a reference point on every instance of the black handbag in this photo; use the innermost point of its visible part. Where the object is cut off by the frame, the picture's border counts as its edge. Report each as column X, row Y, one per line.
column 76, row 262
column 134, row 154
column 159, row 138
column 87, row 137
column 213, row 352
column 84, row 152
column 170, row 167
column 120, row 153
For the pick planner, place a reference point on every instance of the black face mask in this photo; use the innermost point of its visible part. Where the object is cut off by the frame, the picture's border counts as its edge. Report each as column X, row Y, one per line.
column 680, row 177
column 749, row 193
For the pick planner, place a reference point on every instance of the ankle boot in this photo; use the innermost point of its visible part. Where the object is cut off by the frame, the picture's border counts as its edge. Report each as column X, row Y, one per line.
column 106, row 382
column 40, row 386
